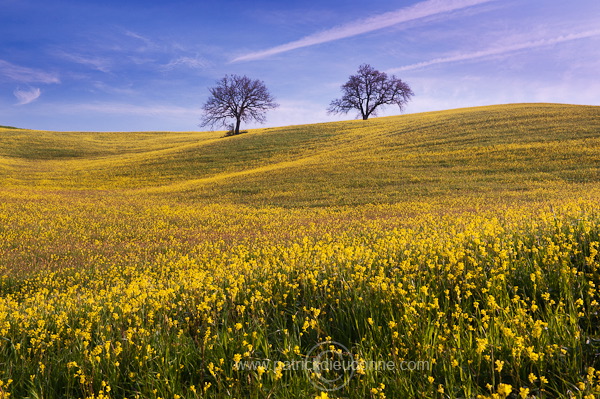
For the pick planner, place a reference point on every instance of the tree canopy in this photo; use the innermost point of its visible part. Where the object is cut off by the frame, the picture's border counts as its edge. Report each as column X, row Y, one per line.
column 369, row 90
column 237, row 98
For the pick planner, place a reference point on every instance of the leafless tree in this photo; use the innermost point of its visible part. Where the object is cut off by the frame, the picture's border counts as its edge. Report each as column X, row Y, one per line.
column 239, row 98
column 368, row 90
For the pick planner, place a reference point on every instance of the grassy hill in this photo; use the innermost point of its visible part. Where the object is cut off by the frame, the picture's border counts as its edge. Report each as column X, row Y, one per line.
column 190, row 265
column 506, row 149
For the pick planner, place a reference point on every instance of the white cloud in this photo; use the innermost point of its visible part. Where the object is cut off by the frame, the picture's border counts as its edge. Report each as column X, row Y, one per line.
column 99, row 64
column 134, row 35
column 27, row 96
column 126, row 89
column 420, row 10
column 504, row 49
column 26, row 75
column 127, row 109
column 148, row 45
column 190, row 62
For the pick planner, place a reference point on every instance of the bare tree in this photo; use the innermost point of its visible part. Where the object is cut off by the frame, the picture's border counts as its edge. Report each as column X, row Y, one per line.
column 239, row 98
column 368, row 90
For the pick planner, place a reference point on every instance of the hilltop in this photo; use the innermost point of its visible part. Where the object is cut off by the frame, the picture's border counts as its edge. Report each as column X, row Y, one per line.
column 505, row 150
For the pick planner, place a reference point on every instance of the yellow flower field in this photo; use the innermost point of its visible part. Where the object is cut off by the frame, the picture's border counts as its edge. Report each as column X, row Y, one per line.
column 456, row 289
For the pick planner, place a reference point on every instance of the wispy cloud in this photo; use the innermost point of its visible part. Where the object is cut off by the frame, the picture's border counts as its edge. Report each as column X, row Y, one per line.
column 420, row 10
column 115, row 108
column 136, row 36
column 26, row 75
column 125, row 89
column 500, row 50
column 100, row 64
column 27, row 96
column 189, row 62
column 149, row 45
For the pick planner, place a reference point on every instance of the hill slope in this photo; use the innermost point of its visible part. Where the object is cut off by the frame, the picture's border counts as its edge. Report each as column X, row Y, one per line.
column 147, row 264
column 516, row 149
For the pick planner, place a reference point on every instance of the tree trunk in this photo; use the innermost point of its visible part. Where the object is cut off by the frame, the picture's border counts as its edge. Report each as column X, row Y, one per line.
column 365, row 117
column 237, row 126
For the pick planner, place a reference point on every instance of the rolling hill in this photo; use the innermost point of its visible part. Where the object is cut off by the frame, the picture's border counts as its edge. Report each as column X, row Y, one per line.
column 191, row 265
column 505, row 150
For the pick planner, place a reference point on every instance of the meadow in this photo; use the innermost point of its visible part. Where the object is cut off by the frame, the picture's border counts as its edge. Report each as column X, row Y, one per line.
column 450, row 254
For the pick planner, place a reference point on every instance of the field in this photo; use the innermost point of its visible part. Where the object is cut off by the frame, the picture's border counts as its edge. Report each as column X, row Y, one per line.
column 448, row 254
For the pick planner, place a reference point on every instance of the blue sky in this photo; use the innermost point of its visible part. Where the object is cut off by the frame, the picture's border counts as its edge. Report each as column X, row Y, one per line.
column 146, row 65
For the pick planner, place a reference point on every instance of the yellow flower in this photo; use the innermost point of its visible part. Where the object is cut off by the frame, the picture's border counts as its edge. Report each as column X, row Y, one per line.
column 482, row 344
column 279, row 370
column 499, row 365
column 504, row 390
column 237, row 358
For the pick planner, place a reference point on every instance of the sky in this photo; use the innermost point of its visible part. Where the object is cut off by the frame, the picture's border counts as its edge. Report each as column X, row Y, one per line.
column 133, row 65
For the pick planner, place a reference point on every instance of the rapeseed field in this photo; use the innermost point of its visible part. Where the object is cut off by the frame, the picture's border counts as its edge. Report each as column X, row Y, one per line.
column 450, row 254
